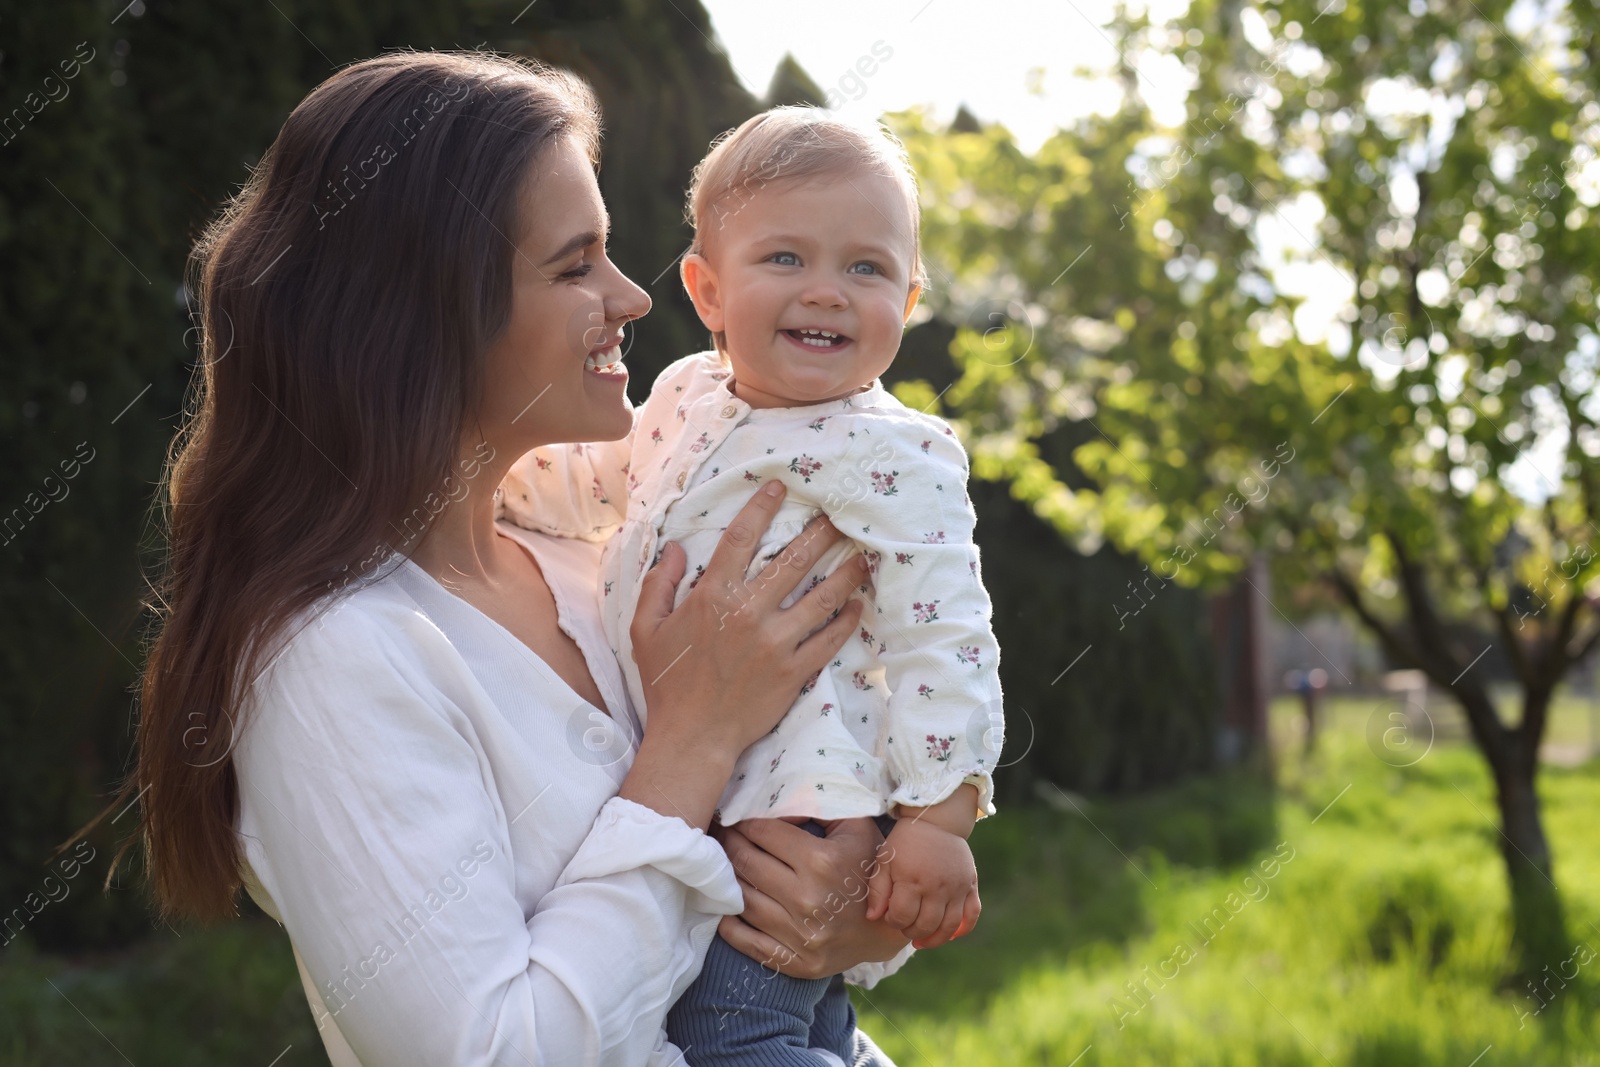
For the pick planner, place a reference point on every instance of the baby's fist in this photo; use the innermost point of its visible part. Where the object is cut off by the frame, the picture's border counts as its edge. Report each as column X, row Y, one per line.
column 926, row 885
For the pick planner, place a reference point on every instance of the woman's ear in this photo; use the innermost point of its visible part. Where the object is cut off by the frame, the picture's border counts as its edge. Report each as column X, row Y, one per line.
column 700, row 282
column 911, row 302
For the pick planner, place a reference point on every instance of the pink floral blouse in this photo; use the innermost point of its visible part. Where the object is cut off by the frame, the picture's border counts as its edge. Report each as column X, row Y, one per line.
column 911, row 706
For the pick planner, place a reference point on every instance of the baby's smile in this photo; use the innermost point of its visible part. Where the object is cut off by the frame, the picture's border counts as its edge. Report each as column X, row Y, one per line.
column 809, row 283
column 819, row 339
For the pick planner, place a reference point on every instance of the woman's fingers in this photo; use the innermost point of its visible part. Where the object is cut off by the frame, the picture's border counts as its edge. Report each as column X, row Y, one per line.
column 780, row 577
column 791, row 951
column 753, row 943
column 820, row 647
column 747, row 851
column 658, row 586
column 780, row 840
column 745, row 670
column 818, row 650
column 830, row 595
column 783, row 859
column 730, row 560
column 878, row 890
column 824, row 934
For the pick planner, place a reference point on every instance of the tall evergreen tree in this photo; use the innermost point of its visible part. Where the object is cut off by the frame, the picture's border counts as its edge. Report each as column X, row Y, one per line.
column 106, row 176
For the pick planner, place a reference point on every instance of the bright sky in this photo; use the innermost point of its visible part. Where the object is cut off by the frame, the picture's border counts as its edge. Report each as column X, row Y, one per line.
column 1011, row 61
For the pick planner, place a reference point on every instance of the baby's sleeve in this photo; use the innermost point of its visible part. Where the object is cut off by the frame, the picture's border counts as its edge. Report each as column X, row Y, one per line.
column 904, row 499
column 569, row 490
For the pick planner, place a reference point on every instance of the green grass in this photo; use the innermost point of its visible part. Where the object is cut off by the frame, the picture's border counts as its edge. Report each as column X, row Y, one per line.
column 226, row 995
column 1383, row 941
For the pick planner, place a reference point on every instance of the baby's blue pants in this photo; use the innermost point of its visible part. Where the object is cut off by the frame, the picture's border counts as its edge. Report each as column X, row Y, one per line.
column 739, row 1013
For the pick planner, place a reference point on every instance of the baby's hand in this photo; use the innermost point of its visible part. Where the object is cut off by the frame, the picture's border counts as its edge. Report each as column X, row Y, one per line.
column 925, row 885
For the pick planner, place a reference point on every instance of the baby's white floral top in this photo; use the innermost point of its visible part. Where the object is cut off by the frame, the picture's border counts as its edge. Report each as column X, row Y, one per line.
column 911, row 706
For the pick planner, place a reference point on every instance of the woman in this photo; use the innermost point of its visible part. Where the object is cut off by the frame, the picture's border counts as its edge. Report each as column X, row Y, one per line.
column 394, row 721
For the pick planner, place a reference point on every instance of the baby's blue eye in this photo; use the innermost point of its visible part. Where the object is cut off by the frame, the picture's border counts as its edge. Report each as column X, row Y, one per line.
column 786, row 259
column 871, row 267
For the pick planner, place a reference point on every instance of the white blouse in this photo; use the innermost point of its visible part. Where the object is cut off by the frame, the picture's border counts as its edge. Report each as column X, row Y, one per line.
column 431, row 812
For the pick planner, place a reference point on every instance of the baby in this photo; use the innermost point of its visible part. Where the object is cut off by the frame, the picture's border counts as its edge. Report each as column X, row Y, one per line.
column 805, row 266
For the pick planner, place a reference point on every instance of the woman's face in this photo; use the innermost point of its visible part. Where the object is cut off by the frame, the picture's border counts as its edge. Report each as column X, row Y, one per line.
column 554, row 373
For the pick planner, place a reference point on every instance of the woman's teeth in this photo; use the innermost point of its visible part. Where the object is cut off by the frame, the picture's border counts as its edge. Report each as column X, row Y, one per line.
column 604, row 361
column 817, row 338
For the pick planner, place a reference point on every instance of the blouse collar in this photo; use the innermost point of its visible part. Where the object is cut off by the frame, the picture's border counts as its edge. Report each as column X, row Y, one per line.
column 869, row 397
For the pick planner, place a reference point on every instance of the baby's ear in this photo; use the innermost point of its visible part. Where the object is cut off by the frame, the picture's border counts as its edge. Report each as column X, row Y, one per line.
column 700, row 282
column 911, row 302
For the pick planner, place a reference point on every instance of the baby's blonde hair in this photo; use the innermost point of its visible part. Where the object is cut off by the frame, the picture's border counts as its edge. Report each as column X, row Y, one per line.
column 795, row 143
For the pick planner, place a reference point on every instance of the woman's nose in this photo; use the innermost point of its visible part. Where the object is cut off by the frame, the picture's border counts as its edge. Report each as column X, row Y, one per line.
column 628, row 301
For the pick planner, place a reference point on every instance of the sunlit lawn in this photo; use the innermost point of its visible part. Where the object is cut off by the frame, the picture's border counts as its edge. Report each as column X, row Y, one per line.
column 1379, row 938
column 1382, row 941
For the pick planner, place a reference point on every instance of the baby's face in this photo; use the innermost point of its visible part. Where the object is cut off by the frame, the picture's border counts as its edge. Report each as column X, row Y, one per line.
column 810, row 281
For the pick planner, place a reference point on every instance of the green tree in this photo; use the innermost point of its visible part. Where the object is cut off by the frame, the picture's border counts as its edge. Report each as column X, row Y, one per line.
column 1336, row 316
column 792, row 85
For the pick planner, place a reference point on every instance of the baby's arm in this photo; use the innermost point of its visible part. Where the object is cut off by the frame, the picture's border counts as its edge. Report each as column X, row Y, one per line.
column 902, row 497
column 926, row 884
column 931, row 632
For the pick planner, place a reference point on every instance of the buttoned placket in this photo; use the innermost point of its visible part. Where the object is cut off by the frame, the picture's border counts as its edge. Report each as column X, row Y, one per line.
column 720, row 412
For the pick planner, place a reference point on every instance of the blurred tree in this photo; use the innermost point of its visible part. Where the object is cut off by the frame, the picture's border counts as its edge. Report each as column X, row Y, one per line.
column 792, row 85
column 965, row 121
column 1076, row 717
column 1345, row 314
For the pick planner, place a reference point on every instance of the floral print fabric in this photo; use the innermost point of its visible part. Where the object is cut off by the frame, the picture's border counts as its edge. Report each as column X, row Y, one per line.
column 910, row 708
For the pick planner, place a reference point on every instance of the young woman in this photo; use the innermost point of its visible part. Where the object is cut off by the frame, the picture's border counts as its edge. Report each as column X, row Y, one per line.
column 394, row 721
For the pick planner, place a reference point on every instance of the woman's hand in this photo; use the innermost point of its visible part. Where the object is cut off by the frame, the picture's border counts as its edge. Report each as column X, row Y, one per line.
column 805, row 897
column 727, row 663
column 722, row 668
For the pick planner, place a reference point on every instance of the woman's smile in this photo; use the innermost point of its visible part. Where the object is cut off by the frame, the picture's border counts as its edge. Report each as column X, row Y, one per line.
column 563, row 275
column 606, row 362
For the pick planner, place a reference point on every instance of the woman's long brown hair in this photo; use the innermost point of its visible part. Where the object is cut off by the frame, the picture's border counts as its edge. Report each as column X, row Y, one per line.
column 348, row 294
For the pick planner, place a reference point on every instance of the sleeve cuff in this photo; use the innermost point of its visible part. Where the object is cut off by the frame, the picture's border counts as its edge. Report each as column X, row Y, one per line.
column 984, row 780
column 926, row 792
column 627, row 835
column 867, row 975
